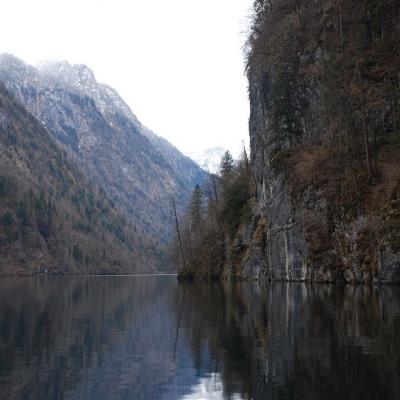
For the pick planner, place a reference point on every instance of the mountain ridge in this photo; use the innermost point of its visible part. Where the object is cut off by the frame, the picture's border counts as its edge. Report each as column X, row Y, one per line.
column 84, row 116
column 139, row 171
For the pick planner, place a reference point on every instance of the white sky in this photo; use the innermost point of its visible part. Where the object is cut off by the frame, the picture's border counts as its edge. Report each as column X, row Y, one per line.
column 177, row 63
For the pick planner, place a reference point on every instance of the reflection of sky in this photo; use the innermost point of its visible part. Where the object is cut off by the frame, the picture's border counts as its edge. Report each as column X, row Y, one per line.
column 146, row 353
column 131, row 339
column 209, row 388
column 140, row 360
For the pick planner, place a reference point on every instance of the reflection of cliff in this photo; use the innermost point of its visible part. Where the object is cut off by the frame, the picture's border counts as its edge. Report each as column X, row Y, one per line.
column 151, row 338
column 298, row 341
column 88, row 338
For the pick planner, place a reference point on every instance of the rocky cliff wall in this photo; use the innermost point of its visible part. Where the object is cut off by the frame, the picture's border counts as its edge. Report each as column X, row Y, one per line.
column 277, row 246
column 292, row 235
column 325, row 146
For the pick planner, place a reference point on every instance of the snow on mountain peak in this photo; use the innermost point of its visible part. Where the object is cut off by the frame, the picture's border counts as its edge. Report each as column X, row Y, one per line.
column 77, row 76
column 80, row 78
column 18, row 69
column 8, row 60
column 60, row 74
column 208, row 159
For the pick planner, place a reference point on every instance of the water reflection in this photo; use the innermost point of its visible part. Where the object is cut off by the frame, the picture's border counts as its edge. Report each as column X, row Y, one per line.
column 152, row 338
column 284, row 341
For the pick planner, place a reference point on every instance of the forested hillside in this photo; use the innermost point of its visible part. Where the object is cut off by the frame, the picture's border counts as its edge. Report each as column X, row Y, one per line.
column 52, row 219
column 324, row 89
column 138, row 171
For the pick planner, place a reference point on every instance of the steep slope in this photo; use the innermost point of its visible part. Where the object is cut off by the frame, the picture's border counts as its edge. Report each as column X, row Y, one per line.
column 51, row 217
column 110, row 103
column 189, row 172
column 324, row 128
column 95, row 125
column 324, row 88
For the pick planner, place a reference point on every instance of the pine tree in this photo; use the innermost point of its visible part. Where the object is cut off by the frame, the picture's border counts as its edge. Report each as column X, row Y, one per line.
column 226, row 166
column 196, row 210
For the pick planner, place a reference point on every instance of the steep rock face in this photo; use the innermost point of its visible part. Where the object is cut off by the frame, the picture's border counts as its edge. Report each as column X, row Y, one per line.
column 95, row 126
column 283, row 246
column 290, row 236
column 324, row 143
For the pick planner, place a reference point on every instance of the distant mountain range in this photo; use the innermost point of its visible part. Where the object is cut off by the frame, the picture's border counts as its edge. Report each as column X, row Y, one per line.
column 138, row 172
column 209, row 160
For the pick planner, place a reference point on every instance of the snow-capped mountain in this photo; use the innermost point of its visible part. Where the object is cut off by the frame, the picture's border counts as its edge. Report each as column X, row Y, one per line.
column 140, row 171
column 209, row 159
column 80, row 78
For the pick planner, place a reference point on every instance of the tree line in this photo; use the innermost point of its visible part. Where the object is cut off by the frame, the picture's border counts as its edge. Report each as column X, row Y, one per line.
column 216, row 210
column 331, row 73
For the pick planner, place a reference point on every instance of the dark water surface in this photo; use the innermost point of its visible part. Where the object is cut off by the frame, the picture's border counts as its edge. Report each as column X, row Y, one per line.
column 154, row 338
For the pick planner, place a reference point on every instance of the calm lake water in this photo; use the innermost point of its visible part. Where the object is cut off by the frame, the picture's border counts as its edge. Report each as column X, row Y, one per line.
column 151, row 337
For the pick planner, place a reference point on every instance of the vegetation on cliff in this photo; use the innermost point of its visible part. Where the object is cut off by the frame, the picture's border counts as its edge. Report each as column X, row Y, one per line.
column 331, row 74
column 330, row 79
column 324, row 84
column 215, row 212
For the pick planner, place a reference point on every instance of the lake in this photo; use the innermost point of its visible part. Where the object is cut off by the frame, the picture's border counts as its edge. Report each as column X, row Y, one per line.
column 150, row 337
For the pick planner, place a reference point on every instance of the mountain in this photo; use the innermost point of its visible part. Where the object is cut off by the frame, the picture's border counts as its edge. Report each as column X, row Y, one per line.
column 52, row 218
column 322, row 201
column 183, row 166
column 139, row 171
column 209, row 159
column 111, row 104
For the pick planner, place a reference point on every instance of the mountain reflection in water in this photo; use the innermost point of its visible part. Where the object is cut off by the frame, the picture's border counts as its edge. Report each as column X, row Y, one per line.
column 150, row 337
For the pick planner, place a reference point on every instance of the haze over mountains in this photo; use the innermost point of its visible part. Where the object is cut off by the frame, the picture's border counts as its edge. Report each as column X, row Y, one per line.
column 209, row 159
column 138, row 171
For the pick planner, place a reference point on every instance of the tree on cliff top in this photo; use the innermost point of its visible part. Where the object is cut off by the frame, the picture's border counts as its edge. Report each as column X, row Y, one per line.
column 226, row 165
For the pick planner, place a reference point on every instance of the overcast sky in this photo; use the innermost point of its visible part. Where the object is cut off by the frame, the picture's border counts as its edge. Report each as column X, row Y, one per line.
column 177, row 63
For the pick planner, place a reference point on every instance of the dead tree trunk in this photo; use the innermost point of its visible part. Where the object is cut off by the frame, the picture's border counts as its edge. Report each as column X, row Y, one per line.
column 179, row 235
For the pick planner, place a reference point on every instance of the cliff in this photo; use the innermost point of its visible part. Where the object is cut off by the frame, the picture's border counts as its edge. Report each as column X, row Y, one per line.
column 324, row 130
column 320, row 200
